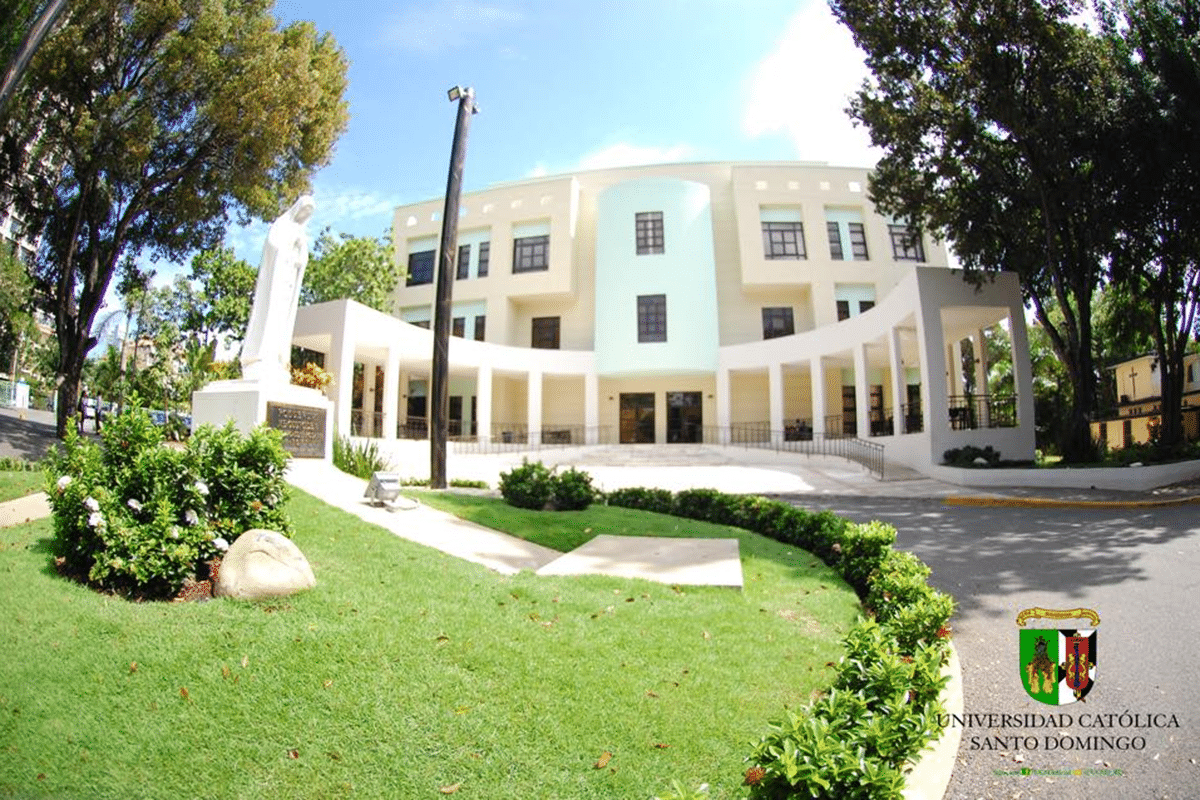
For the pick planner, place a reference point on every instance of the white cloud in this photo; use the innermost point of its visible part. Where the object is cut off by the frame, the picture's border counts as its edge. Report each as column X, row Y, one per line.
column 625, row 154
column 442, row 26
column 802, row 88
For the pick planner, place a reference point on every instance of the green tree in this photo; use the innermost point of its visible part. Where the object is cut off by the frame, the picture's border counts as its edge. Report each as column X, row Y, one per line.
column 355, row 267
column 225, row 287
column 141, row 125
column 993, row 117
column 16, row 319
column 1156, row 259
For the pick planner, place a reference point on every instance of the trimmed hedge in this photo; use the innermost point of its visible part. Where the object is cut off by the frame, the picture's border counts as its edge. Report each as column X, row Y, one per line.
column 883, row 707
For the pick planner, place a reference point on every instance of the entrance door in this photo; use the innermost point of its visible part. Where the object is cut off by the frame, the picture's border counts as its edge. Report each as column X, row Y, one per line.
column 637, row 418
column 685, row 417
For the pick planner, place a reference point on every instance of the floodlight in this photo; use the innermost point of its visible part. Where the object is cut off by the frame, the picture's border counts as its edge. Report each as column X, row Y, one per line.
column 455, row 93
column 383, row 488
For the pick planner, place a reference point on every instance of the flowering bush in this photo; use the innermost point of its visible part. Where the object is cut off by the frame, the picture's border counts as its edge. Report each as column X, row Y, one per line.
column 136, row 517
column 312, row 376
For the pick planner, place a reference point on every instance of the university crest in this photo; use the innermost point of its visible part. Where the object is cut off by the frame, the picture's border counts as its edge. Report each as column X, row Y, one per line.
column 1058, row 665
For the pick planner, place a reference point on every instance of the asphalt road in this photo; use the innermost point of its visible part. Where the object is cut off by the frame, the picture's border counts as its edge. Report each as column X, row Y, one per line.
column 1139, row 569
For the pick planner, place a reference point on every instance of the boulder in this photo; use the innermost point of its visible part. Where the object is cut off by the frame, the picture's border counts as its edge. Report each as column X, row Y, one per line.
column 261, row 564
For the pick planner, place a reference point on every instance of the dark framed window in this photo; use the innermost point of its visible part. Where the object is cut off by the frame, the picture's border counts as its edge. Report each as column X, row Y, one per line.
column 835, row 241
column 865, row 305
column 531, row 254
column 777, row 322
column 843, row 310
column 485, row 253
column 858, row 240
column 652, row 317
column 545, row 333
column 648, row 226
column 462, row 268
column 849, row 411
column 420, row 267
column 458, row 326
column 480, row 327
column 783, row 240
column 906, row 244
column 422, row 323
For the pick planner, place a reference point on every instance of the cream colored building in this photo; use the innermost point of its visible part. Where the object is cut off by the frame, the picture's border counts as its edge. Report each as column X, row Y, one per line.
column 743, row 303
column 1139, row 402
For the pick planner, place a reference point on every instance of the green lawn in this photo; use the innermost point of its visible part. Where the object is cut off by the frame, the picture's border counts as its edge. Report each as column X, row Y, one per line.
column 406, row 672
column 19, row 484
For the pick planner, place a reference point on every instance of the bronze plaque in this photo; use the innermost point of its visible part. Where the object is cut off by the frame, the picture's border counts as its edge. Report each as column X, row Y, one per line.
column 303, row 428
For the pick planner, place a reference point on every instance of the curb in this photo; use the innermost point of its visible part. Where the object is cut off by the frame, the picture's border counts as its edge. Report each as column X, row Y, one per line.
column 930, row 776
column 1044, row 502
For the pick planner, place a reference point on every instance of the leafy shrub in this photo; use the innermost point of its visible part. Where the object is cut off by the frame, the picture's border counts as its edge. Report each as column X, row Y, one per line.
column 659, row 501
column 708, row 505
column 360, row 460
column 864, row 548
column 457, row 483
column 572, row 490
column 967, row 455
column 312, row 376
column 137, row 517
column 528, row 486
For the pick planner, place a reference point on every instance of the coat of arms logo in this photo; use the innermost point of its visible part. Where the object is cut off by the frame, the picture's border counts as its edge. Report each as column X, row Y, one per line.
column 1058, row 665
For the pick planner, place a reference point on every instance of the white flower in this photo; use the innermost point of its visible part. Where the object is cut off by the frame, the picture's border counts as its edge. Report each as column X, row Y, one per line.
column 134, row 504
column 220, row 544
column 95, row 519
column 63, row 483
column 190, row 517
column 174, row 532
column 202, row 487
column 91, row 505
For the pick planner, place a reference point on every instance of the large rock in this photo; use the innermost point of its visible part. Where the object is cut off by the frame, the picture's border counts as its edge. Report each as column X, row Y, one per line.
column 263, row 564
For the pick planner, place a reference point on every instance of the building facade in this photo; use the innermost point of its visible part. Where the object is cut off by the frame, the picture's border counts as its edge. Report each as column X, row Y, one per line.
column 1138, row 410
column 717, row 302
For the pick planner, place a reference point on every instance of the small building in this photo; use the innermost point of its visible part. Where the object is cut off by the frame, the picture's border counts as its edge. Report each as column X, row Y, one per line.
column 753, row 303
column 1138, row 410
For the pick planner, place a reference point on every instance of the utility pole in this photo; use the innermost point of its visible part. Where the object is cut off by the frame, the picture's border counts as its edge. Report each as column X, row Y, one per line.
column 439, row 385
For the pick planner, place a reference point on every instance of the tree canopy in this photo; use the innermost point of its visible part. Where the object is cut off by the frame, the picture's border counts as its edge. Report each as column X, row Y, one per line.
column 142, row 126
column 994, row 117
column 357, row 267
column 221, row 300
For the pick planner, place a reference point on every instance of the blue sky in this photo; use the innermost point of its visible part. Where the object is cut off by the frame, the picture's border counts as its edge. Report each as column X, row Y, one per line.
column 572, row 85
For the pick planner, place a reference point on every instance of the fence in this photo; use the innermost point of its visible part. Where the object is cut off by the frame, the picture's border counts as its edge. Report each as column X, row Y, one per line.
column 968, row 412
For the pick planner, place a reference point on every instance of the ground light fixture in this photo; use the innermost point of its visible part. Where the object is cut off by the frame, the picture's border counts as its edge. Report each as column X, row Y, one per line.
column 384, row 488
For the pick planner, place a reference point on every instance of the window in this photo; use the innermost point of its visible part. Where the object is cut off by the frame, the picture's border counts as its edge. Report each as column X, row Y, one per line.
column 1191, row 372
column 462, row 268
column 649, row 229
column 777, row 322
column 858, row 240
column 531, row 254
column 783, row 240
column 906, row 244
column 652, row 317
column 458, row 327
column 420, row 267
column 545, row 333
column 485, row 252
column 865, row 305
column 843, row 309
column 849, row 411
column 480, row 327
column 422, row 323
column 835, row 241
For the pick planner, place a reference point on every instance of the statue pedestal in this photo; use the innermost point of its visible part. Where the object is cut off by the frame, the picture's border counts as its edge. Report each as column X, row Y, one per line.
column 304, row 415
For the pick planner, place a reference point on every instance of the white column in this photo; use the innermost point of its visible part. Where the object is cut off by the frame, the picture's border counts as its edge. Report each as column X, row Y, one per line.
column 954, row 373
column 533, row 406
column 724, row 405
column 591, row 407
column 775, row 401
column 982, row 406
column 483, row 403
column 897, row 370
column 391, row 392
column 341, row 364
column 862, row 392
column 817, row 371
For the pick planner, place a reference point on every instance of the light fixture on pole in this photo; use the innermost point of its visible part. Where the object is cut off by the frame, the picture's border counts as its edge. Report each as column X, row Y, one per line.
column 439, row 384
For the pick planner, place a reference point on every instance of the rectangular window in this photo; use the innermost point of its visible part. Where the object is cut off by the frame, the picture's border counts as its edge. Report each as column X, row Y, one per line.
column 1191, row 372
column 649, row 229
column 458, row 327
column 778, row 322
column 652, row 317
column 858, row 240
column 906, row 244
column 485, row 252
column 462, row 269
column 835, row 241
column 531, row 254
column 545, row 333
column 420, row 267
column 783, row 240
column 865, row 305
column 480, row 327
column 843, row 310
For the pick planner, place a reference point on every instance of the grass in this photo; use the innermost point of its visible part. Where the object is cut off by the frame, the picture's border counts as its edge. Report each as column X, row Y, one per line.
column 405, row 672
column 19, row 484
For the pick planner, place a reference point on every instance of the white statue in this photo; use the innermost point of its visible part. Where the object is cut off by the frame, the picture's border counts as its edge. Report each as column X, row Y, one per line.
column 267, row 351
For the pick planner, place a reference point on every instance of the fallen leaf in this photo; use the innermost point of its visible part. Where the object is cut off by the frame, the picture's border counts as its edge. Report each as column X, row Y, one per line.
column 245, row 661
column 650, row 694
column 41, row 776
column 225, row 673
column 132, row 666
column 183, row 692
column 293, row 753
column 327, row 684
column 661, row 746
column 707, row 635
column 451, row 789
column 441, row 640
column 605, row 757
